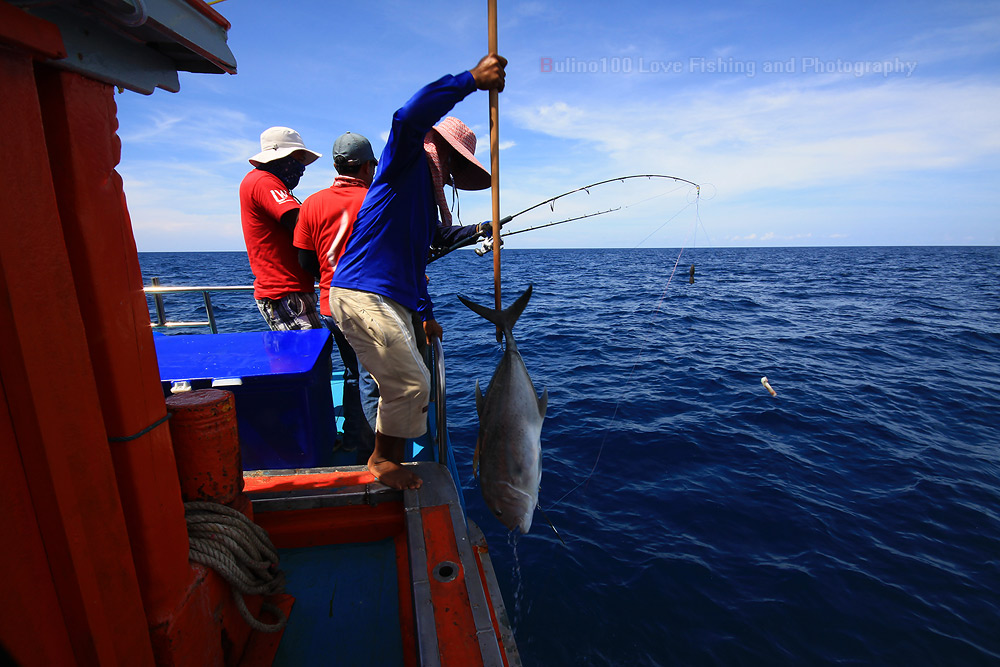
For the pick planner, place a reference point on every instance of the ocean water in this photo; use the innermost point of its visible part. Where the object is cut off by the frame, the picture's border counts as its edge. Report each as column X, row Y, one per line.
column 853, row 518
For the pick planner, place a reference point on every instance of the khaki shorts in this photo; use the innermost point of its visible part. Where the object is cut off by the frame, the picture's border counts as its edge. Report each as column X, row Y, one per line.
column 381, row 333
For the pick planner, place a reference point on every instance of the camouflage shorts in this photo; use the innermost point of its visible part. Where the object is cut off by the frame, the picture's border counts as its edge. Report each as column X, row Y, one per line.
column 291, row 312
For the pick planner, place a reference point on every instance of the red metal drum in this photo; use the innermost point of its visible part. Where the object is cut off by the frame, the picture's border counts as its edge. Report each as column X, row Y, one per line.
column 206, row 445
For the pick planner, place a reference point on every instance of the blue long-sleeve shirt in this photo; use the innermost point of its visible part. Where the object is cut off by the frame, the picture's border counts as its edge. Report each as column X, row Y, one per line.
column 387, row 251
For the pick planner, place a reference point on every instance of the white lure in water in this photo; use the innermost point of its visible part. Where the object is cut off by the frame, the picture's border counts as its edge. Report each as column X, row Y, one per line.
column 508, row 459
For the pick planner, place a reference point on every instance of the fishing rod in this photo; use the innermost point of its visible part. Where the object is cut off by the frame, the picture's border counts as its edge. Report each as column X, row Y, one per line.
column 586, row 188
column 438, row 254
column 559, row 222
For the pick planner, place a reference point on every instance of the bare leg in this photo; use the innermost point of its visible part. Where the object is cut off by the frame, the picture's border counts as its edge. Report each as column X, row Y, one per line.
column 386, row 463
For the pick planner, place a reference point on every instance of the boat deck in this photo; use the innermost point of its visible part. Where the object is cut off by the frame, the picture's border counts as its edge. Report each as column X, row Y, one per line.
column 346, row 605
column 380, row 576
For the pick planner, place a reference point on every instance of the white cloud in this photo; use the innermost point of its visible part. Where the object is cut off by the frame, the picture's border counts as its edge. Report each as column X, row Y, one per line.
column 483, row 147
column 786, row 136
column 215, row 134
column 968, row 40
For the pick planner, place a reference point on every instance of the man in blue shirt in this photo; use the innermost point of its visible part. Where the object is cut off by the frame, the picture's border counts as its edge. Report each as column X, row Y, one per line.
column 380, row 279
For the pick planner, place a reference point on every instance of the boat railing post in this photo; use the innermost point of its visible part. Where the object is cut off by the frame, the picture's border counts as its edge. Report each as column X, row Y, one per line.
column 440, row 411
column 161, row 318
column 210, row 311
column 157, row 290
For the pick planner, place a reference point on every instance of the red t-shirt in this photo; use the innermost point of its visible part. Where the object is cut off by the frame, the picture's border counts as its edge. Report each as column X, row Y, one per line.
column 273, row 259
column 325, row 223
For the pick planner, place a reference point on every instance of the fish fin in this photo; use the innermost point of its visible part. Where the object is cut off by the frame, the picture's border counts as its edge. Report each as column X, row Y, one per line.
column 543, row 403
column 504, row 319
column 488, row 313
column 479, row 400
column 546, row 517
column 514, row 310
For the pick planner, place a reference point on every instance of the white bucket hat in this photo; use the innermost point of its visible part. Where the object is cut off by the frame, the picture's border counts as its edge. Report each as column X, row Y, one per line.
column 279, row 142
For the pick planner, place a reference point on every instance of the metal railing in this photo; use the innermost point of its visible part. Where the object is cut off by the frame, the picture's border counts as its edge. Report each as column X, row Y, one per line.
column 157, row 291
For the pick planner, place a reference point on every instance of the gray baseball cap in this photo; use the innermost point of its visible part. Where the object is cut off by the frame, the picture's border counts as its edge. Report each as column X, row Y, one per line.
column 351, row 150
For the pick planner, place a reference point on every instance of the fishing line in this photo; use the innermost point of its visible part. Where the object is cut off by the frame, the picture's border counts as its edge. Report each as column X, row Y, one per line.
column 642, row 350
column 662, row 226
column 662, row 194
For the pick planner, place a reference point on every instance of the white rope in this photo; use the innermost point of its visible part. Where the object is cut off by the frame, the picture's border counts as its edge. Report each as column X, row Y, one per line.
column 227, row 541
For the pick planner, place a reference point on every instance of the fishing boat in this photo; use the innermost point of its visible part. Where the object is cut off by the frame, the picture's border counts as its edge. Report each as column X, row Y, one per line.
column 106, row 494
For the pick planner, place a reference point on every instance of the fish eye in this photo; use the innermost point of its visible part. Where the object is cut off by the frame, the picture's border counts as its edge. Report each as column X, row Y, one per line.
column 498, row 512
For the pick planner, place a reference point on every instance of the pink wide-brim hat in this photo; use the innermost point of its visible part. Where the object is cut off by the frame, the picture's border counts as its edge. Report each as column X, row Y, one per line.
column 473, row 175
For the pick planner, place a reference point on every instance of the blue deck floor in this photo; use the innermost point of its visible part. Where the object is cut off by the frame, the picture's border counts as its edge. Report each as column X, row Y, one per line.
column 346, row 606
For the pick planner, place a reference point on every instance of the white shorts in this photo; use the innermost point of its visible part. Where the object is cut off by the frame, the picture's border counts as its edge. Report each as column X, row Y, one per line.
column 381, row 333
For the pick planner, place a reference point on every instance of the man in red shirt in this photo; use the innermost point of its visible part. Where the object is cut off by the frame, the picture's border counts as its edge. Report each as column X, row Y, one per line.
column 268, row 211
column 326, row 220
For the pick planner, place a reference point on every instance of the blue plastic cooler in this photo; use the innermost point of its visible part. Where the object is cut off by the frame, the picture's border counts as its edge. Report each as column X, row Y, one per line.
column 281, row 382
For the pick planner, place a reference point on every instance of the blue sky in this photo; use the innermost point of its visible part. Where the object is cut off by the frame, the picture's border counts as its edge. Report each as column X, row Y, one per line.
column 874, row 123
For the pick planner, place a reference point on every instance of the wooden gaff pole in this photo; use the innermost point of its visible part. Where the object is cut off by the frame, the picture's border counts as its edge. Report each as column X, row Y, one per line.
column 495, row 159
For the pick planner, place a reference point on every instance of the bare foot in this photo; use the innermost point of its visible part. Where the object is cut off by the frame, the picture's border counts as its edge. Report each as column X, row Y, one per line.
column 393, row 474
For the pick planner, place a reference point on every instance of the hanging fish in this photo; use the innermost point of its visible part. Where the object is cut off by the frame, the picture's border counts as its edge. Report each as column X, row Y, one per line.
column 508, row 458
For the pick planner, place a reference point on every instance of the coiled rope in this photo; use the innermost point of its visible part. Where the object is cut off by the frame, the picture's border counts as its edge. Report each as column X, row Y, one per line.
column 227, row 541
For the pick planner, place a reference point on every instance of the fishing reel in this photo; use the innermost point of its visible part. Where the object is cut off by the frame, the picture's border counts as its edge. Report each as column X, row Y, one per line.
column 486, row 245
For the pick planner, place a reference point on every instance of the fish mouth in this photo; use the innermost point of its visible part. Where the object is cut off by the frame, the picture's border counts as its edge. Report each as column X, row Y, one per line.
column 514, row 507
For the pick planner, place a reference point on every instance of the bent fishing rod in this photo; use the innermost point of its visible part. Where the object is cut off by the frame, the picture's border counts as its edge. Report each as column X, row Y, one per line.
column 438, row 254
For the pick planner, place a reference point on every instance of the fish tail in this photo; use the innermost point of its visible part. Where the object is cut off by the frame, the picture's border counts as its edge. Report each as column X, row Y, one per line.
column 504, row 319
